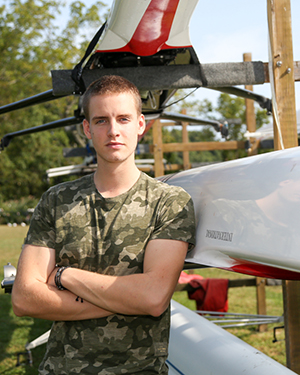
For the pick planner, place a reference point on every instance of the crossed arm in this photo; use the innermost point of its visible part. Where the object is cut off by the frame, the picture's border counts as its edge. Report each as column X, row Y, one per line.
column 148, row 293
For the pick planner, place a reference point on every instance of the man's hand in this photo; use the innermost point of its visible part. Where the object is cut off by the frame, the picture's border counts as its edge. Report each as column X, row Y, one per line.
column 146, row 293
column 35, row 293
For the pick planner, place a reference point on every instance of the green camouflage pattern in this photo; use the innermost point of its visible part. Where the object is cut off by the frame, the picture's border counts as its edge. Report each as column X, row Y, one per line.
column 109, row 236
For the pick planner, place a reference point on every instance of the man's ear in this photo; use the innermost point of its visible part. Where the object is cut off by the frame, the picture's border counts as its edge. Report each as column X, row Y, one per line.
column 142, row 125
column 86, row 129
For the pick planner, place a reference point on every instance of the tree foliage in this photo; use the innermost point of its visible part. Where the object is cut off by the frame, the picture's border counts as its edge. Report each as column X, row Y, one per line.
column 33, row 42
column 233, row 108
column 37, row 38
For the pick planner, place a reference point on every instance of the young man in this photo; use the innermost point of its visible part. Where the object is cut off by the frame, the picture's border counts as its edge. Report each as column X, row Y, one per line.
column 103, row 253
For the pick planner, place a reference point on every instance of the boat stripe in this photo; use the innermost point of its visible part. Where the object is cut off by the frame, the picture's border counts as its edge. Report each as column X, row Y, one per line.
column 174, row 367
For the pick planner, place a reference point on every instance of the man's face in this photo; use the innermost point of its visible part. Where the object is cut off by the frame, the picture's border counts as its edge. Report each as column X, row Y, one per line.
column 114, row 126
column 289, row 191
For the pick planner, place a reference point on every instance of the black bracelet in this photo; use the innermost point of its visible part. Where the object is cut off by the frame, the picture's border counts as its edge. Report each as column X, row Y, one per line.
column 57, row 277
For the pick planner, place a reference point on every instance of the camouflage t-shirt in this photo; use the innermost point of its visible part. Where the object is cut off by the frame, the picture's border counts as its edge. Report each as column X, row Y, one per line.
column 109, row 236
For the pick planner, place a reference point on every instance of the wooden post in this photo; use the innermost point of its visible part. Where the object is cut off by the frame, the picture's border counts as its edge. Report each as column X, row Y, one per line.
column 185, row 139
column 280, row 30
column 285, row 135
column 261, row 307
column 158, row 153
column 250, row 114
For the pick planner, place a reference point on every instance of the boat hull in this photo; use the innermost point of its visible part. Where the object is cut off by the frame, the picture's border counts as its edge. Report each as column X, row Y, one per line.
column 198, row 346
column 248, row 213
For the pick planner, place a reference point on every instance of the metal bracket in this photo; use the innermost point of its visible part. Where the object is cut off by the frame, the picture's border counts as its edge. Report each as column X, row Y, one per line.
column 28, row 358
column 274, row 334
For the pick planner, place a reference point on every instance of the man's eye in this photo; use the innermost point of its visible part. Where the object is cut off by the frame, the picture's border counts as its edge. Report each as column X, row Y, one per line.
column 101, row 121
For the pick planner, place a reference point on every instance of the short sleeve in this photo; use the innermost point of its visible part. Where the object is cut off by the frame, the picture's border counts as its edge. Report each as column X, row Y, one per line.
column 42, row 225
column 176, row 218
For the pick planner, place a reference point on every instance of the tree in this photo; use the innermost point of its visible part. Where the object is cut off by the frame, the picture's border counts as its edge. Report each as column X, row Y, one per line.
column 31, row 45
column 233, row 108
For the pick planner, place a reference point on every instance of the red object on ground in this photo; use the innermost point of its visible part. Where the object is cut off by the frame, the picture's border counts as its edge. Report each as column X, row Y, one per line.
column 209, row 294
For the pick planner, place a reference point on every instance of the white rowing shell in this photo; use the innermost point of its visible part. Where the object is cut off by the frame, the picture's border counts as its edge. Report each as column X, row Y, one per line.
column 247, row 213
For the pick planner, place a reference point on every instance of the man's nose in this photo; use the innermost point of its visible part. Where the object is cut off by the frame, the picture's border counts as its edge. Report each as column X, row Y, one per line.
column 113, row 129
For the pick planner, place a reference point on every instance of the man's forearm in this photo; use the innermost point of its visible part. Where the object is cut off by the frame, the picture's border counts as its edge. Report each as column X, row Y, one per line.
column 33, row 295
column 146, row 293
column 122, row 294
column 47, row 302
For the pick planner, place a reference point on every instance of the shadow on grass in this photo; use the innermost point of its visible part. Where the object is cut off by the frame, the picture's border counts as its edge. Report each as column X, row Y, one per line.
column 15, row 334
column 38, row 328
column 8, row 325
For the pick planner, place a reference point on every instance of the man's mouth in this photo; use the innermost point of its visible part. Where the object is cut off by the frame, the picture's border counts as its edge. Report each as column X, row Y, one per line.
column 114, row 144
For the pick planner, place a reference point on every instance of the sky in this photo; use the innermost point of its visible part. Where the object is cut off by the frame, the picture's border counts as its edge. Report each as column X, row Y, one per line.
column 222, row 31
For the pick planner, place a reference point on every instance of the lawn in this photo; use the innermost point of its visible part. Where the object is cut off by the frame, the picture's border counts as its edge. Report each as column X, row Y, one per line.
column 16, row 332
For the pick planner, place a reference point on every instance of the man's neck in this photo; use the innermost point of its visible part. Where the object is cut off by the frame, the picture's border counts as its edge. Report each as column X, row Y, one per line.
column 116, row 180
column 274, row 209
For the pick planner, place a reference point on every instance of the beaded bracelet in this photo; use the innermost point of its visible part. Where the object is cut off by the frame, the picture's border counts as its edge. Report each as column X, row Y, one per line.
column 57, row 278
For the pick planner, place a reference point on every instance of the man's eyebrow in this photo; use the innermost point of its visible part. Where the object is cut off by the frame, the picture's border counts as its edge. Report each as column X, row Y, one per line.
column 98, row 117
column 125, row 115
column 120, row 115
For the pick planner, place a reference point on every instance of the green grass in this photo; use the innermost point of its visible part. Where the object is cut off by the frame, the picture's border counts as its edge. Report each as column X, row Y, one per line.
column 16, row 332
